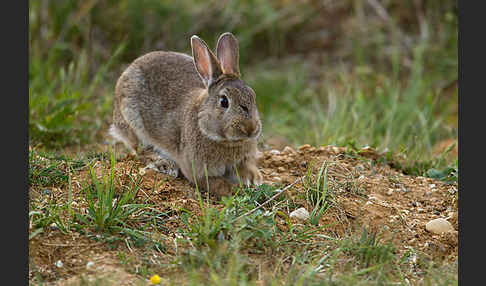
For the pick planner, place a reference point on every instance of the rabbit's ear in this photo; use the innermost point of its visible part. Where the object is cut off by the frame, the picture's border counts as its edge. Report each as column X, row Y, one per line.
column 227, row 52
column 206, row 63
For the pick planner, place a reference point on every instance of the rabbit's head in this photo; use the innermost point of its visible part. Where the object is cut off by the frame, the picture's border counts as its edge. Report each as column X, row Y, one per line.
column 228, row 111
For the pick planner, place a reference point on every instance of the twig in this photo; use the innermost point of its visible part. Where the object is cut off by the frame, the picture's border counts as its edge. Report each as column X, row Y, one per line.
column 270, row 199
column 379, row 10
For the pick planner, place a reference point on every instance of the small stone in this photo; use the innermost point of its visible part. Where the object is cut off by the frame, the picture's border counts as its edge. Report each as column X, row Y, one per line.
column 390, row 192
column 274, row 152
column 288, row 150
column 89, row 265
column 335, row 149
column 300, row 213
column 59, row 264
column 432, row 186
column 289, row 160
column 438, row 226
column 53, row 226
column 304, row 147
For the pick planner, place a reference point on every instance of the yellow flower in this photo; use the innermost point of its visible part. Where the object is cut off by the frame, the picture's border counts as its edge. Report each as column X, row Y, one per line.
column 155, row 279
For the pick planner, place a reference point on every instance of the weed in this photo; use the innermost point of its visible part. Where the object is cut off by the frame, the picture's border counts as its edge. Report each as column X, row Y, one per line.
column 108, row 212
column 317, row 193
column 44, row 171
column 368, row 249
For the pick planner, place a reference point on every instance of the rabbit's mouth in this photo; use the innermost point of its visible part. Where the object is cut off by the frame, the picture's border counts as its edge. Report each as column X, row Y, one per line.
column 231, row 134
column 242, row 133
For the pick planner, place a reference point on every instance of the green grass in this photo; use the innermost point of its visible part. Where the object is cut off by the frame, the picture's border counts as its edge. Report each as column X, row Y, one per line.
column 317, row 193
column 108, row 210
column 392, row 115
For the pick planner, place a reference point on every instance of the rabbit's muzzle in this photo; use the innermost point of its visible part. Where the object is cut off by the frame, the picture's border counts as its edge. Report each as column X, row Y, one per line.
column 249, row 128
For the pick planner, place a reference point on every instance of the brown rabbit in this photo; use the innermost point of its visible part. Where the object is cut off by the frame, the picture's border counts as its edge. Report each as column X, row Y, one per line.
column 195, row 113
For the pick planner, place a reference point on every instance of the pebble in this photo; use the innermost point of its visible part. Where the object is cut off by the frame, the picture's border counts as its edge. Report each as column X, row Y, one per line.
column 53, row 226
column 288, row 150
column 59, row 264
column 304, row 147
column 89, row 265
column 390, row 192
column 300, row 213
column 274, row 152
column 289, row 160
column 438, row 226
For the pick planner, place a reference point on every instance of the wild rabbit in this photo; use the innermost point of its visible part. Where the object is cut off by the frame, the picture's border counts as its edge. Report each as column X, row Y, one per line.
column 195, row 113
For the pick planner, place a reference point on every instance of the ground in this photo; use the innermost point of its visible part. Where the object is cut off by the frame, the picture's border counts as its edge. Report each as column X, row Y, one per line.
column 366, row 193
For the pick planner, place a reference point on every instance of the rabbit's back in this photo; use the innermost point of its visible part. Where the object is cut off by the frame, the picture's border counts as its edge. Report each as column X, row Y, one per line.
column 169, row 75
column 157, row 85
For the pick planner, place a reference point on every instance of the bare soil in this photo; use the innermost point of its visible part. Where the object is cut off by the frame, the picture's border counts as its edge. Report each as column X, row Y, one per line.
column 366, row 193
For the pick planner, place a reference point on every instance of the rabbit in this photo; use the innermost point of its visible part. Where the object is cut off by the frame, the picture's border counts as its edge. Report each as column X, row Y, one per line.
column 194, row 112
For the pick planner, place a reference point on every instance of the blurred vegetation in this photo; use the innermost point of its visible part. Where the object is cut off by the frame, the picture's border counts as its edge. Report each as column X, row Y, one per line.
column 376, row 72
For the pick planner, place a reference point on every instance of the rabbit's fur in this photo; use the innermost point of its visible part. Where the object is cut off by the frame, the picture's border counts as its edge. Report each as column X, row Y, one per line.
column 175, row 104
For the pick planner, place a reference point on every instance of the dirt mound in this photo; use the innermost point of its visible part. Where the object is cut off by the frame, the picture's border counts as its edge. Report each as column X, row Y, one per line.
column 365, row 192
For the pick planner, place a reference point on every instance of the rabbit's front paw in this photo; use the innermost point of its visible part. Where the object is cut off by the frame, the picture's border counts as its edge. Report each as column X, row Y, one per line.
column 251, row 175
column 159, row 163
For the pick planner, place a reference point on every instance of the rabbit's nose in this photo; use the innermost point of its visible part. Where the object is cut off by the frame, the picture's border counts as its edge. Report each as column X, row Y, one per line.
column 249, row 127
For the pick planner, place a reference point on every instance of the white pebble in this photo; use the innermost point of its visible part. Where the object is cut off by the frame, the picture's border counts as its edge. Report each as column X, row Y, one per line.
column 274, row 152
column 438, row 226
column 300, row 213
column 89, row 265
column 288, row 150
column 59, row 264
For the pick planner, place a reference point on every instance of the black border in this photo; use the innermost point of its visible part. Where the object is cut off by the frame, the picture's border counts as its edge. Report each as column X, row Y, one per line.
column 14, row 117
column 471, row 48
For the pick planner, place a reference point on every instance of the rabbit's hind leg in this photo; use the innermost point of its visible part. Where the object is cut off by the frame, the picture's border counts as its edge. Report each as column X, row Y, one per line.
column 122, row 133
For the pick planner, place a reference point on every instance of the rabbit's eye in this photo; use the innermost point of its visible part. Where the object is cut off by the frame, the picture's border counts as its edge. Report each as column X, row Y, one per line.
column 245, row 109
column 223, row 100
